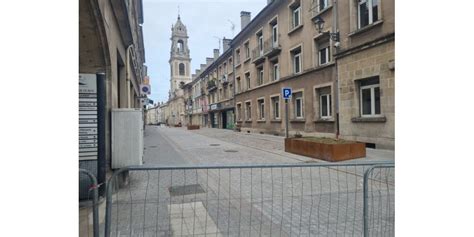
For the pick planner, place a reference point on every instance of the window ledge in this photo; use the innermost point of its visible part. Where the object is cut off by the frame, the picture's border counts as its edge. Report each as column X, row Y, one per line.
column 247, row 59
column 297, row 120
column 238, row 65
column 261, row 121
column 378, row 119
column 365, row 28
column 239, row 121
column 275, row 121
column 325, row 120
column 248, row 121
column 295, row 29
column 321, row 12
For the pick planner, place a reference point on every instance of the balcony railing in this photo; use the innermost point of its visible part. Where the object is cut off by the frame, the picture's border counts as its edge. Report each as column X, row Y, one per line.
column 257, row 55
column 271, row 48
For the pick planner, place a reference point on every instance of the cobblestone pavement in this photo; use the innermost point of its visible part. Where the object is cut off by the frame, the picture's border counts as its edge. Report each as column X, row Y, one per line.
column 299, row 201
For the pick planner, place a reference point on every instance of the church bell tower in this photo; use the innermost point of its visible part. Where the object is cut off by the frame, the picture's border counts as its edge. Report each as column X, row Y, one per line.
column 180, row 61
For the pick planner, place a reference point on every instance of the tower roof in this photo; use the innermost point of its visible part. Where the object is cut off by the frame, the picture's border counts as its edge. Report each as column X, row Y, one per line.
column 179, row 27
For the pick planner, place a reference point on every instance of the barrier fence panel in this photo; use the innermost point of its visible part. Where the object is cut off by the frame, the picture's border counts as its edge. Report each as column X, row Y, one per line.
column 313, row 199
column 379, row 201
column 93, row 197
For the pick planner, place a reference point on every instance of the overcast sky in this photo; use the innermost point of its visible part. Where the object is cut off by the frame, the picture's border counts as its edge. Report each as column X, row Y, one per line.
column 205, row 20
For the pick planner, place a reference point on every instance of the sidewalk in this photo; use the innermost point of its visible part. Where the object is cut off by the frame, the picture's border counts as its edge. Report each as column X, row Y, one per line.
column 275, row 144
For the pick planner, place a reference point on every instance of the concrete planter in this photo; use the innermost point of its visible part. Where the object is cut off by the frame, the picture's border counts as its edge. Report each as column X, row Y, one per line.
column 325, row 151
column 193, row 127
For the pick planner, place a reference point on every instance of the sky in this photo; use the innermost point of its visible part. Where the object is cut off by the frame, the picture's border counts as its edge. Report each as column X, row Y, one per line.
column 205, row 20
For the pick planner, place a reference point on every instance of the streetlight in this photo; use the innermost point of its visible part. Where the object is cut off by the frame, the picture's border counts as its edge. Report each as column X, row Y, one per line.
column 319, row 22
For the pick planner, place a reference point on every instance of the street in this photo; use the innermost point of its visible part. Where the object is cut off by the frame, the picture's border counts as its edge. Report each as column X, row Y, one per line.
column 294, row 200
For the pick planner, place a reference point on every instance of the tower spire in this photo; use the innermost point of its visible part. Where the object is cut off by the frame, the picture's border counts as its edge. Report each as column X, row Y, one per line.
column 178, row 13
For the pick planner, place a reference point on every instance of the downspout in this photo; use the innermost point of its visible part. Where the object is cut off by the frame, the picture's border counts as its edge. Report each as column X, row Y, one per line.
column 234, row 86
column 335, row 27
column 127, row 73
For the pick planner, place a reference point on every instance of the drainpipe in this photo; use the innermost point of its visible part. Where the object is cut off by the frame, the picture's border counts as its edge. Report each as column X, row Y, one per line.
column 335, row 28
column 127, row 72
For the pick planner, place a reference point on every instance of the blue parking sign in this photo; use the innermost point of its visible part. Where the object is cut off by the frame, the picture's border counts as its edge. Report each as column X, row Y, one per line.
column 286, row 92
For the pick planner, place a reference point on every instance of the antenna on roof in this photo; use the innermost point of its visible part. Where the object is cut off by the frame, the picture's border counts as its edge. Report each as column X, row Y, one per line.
column 219, row 42
column 232, row 28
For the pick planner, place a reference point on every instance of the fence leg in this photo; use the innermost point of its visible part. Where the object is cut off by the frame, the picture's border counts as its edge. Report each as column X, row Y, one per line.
column 95, row 208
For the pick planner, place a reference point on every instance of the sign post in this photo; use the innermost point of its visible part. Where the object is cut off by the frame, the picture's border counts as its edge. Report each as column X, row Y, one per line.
column 286, row 92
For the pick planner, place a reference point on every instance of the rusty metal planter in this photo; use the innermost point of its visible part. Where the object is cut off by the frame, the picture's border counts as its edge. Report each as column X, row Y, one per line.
column 323, row 151
column 193, row 127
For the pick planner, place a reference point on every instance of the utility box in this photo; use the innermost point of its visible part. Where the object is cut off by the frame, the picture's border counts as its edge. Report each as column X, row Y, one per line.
column 127, row 137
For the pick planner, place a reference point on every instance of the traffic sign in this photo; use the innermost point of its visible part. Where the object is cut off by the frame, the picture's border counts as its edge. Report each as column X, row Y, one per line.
column 145, row 89
column 286, row 92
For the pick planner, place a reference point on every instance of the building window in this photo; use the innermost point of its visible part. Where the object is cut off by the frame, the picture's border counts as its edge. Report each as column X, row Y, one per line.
column 276, row 107
column 239, row 88
column 248, row 111
column 370, row 97
column 296, row 59
column 260, row 43
column 298, row 105
column 367, row 12
column 276, row 71
column 247, row 50
column 247, row 80
column 275, row 34
column 237, row 56
column 181, row 69
column 239, row 112
column 323, row 4
column 261, row 109
column 295, row 15
column 324, row 56
column 260, row 76
column 325, row 106
column 180, row 46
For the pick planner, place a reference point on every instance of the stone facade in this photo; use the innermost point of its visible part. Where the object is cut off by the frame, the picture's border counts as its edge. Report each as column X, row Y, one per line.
column 111, row 42
column 341, row 72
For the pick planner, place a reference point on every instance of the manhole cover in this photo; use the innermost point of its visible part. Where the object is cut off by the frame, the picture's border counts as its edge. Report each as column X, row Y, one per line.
column 185, row 190
column 230, row 151
column 214, row 144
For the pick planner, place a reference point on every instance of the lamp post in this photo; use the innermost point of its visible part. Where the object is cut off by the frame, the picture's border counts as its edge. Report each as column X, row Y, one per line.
column 319, row 22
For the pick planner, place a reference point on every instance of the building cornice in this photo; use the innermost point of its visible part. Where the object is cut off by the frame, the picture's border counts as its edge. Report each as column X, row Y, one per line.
column 370, row 44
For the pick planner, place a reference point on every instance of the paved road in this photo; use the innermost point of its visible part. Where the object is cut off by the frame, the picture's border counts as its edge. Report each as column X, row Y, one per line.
column 310, row 201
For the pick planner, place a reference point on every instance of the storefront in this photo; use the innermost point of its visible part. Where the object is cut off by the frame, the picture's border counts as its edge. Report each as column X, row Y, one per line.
column 222, row 115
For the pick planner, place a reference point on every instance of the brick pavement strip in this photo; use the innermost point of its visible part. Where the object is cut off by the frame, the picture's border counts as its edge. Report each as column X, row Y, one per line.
column 317, row 201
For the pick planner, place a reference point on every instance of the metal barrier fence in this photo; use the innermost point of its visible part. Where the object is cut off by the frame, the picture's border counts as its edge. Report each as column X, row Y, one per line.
column 312, row 199
column 379, row 201
column 95, row 196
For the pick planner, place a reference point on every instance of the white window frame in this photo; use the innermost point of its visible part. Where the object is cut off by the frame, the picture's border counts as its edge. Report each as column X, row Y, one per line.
column 276, row 72
column 260, row 76
column 372, row 101
column 328, row 104
column 275, row 35
column 327, row 56
column 296, row 107
column 261, row 111
column 298, row 55
column 260, row 44
column 275, row 107
column 248, row 110
column 294, row 11
column 369, row 6
column 247, row 80
column 326, row 5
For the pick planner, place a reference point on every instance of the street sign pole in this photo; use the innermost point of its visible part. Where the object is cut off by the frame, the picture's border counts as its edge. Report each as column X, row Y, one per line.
column 286, row 118
column 286, row 93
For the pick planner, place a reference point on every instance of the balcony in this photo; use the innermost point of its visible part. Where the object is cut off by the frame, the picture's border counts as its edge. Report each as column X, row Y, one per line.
column 211, row 85
column 203, row 92
column 225, row 80
column 271, row 48
column 257, row 55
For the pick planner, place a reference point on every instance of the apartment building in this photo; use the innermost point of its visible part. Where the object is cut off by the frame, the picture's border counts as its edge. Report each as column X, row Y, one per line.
column 282, row 47
column 366, row 71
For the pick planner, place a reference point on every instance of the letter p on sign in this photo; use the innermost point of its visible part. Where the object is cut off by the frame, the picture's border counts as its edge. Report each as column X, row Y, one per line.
column 286, row 92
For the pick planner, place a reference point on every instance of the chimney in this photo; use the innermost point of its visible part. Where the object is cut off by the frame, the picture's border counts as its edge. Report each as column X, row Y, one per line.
column 209, row 61
column 244, row 19
column 226, row 44
column 198, row 72
column 216, row 53
column 269, row 1
column 203, row 66
column 193, row 76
